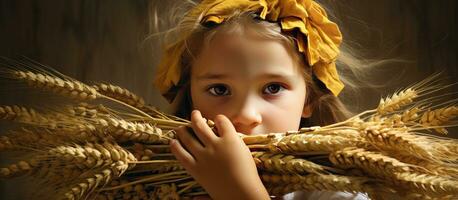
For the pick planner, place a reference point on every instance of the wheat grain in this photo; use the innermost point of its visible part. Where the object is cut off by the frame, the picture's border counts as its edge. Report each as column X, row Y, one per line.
column 282, row 184
column 400, row 120
column 343, row 132
column 428, row 184
column 5, row 143
column 121, row 94
column 435, row 168
column 26, row 115
column 397, row 120
column 434, row 149
column 261, row 139
column 396, row 101
column 373, row 163
column 39, row 138
column 63, row 124
column 279, row 163
column 166, row 191
column 88, row 111
column 138, row 132
column 311, row 142
column 91, row 155
column 88, row 185
column 412, row 195
column 144, row 153
column 70, row 88
column 138, row 191
column 399, row 141
column 25, row 138
column 17, row 169
column 439, row 117
column 410, row 114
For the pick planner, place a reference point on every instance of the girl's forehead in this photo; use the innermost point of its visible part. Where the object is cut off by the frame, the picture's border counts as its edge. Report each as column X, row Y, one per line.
column 242, row 54
column 244, row 44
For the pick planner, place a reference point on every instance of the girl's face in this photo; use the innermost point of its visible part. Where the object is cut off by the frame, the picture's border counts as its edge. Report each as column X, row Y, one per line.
column 252, row 81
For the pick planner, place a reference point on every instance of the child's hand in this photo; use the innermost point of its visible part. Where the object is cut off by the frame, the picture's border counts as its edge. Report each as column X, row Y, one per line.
column 222, row 164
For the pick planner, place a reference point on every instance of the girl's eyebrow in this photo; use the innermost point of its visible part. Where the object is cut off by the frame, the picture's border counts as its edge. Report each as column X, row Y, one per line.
column 211, row 76
column 276, row 75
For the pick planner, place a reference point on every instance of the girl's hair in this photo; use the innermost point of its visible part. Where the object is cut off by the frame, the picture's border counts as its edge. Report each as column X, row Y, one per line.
column 326, row 108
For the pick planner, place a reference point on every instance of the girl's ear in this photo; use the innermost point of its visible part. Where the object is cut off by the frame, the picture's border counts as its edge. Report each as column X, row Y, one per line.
column 307, row 112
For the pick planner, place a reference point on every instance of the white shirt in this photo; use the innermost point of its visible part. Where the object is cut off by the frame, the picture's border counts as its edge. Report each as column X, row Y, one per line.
column 324, row 195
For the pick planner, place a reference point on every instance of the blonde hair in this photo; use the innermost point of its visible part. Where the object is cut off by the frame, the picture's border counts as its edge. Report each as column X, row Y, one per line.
column 326, row 108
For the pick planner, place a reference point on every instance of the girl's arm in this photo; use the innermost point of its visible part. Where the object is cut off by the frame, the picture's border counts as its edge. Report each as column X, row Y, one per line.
column 222, row 164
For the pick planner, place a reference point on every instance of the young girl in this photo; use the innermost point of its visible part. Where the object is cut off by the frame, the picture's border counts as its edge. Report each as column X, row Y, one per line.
column 253, row 67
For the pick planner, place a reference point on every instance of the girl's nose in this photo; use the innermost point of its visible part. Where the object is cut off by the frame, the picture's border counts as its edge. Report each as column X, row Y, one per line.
column 247, row 117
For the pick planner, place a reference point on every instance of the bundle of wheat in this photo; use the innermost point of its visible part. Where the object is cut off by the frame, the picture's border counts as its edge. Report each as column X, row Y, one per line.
column 91, row 149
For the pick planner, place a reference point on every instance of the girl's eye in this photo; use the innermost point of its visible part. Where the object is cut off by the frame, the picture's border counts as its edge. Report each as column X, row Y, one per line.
column 273, row 89
column 218, row 90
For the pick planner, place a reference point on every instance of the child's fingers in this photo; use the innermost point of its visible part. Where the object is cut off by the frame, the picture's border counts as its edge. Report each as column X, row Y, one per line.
column 202, row 130
column 183, row 156
column 224, row 126
column 188, row 141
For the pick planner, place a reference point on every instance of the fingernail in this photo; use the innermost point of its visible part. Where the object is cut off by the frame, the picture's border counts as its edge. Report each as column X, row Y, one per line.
column 194, row 111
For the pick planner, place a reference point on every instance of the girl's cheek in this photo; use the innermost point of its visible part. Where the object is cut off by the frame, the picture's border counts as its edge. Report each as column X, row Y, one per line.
column 289, row 107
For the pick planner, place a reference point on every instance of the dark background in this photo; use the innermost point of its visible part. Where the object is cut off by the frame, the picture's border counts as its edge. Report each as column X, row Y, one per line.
column 106, row 41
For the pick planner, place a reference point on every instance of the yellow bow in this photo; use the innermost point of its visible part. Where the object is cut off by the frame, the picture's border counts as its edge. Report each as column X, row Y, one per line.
column 318, row 38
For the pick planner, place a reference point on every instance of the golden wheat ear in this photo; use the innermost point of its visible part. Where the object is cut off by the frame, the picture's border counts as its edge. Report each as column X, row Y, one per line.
column 46, row 79
column 121, row 94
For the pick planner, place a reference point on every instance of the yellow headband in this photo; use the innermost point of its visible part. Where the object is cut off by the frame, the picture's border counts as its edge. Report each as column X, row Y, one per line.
column 318, row 38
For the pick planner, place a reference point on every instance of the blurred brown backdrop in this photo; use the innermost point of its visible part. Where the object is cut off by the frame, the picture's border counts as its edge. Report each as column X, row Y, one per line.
column 104, row 40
